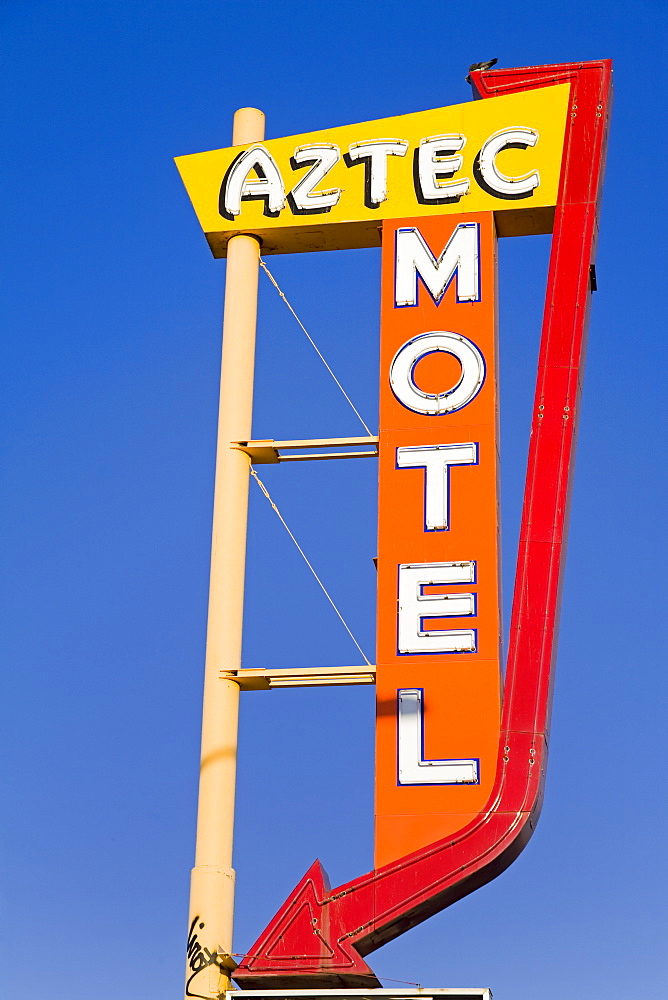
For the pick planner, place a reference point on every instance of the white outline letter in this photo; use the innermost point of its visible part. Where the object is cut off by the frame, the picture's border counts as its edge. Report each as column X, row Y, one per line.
column 377, row 150
column 435, row 161
column 460, row 256
column 437, row 403
column 436, row 460
column 268, row 185
column 509, row 187
column 413, row 769
column 415, row 605
column 325, row 155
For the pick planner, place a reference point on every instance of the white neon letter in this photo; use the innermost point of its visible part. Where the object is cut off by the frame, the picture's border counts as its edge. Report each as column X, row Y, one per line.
column 413, row 768
column 377, row 152
column 323, row 156
column 501, row 184
column 460, row 256
column 437, row 403
column 436, row 161
column 436, row 461
column 415, row 606
column 268, row 184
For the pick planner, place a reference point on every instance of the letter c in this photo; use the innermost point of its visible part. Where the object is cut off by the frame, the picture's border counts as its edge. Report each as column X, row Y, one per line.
column 487, row 173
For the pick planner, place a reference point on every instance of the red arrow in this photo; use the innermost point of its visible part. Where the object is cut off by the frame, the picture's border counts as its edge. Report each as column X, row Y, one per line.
column 318, row 937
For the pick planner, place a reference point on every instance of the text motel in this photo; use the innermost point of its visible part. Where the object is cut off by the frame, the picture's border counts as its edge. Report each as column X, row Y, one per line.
column 417, row 602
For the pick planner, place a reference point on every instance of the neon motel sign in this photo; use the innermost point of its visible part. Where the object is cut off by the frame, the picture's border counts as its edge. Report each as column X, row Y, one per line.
column 460, row 752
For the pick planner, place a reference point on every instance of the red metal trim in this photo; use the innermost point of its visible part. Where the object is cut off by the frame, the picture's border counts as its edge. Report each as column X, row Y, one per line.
column 319, row 935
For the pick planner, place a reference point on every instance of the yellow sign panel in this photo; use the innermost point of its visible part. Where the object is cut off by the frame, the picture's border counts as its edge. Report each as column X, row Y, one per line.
column 331, row 190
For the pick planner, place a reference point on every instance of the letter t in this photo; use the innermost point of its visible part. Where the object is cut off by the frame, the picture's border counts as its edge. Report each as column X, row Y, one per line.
column 436, row 461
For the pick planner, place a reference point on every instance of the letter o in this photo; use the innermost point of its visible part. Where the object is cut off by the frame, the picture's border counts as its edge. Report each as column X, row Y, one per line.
column 430, row 403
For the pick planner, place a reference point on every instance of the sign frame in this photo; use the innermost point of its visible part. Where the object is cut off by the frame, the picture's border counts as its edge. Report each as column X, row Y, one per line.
column 319, row 937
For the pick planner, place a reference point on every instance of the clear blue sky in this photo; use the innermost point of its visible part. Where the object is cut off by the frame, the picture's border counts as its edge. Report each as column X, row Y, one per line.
column 112, row 309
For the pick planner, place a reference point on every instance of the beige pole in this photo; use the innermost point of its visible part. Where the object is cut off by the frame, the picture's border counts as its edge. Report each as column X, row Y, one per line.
column 212, row 879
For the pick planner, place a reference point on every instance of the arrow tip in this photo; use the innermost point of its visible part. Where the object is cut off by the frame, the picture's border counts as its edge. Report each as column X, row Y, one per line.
column 305, row 945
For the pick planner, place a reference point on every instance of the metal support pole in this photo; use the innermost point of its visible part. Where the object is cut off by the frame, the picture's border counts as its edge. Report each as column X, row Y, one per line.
column 212, row 880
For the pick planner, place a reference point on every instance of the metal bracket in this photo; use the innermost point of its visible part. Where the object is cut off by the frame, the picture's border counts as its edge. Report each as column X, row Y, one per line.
column 421, row 993
column 266, row 678
column 268, row 451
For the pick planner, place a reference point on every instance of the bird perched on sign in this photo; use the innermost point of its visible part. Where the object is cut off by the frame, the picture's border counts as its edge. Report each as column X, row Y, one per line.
column 481, row 65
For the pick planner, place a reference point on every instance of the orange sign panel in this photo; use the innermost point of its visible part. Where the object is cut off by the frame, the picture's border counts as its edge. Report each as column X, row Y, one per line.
column 438, row 645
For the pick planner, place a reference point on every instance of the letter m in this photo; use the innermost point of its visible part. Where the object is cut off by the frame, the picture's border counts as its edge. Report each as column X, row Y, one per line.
column 414, row 259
